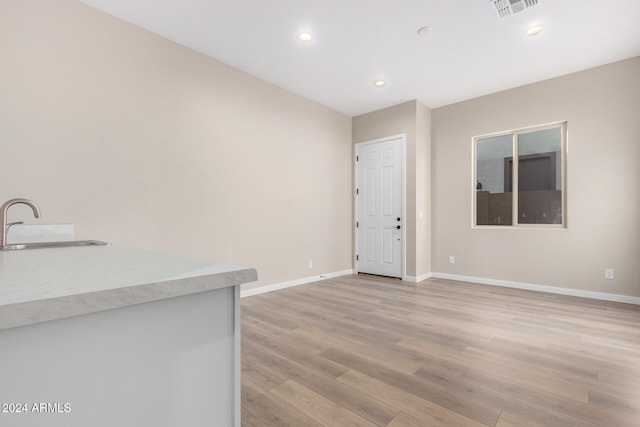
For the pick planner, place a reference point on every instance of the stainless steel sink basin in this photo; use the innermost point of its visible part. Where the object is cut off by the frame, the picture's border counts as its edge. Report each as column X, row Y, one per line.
column 44, row 245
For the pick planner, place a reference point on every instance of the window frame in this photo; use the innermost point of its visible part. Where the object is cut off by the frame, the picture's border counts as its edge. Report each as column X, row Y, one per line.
column 514, row 179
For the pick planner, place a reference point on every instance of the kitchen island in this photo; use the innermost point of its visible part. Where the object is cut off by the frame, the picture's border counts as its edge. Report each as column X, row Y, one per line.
column 107, row 335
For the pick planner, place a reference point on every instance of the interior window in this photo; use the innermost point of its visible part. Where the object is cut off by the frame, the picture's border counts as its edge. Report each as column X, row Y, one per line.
column 537, row 174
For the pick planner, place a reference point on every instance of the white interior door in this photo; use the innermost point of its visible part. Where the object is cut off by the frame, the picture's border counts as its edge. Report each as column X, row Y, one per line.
column 379, row 219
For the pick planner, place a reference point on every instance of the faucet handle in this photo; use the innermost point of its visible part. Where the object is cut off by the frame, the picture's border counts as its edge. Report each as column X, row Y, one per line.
column 11, row 224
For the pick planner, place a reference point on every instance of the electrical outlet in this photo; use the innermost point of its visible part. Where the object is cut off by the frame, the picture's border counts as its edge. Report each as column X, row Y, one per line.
column 452, row 259
column 310, row 264
column 608, row 273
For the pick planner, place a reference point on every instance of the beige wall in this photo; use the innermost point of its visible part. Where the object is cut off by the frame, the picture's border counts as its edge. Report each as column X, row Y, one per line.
column 602, row 108
column 412, row 119
column 142, row 142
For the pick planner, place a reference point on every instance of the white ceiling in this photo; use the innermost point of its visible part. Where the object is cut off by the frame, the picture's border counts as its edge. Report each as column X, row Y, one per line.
column 469, row 52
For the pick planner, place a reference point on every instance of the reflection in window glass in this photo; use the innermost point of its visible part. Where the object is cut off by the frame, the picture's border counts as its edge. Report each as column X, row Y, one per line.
column 493, row 200
column 540, row 177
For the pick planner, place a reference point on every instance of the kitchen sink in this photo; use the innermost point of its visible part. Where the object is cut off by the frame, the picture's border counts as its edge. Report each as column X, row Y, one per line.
column 45, row 245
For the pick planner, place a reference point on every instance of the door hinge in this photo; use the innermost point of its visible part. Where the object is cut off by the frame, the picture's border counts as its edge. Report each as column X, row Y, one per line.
column 357, row 257
column 357, row 191
column 357, row 224
column 357, row 158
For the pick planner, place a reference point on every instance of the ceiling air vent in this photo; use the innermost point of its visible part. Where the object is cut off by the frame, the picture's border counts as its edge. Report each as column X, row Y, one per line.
column 509, row 7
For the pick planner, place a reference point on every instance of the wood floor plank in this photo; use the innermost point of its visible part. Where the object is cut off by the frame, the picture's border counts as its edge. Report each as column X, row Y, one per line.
column 269, row 409
column 535, row 357
column 481, row 331
column 368, row 407
column 366, row 350
column 316, row 406
column 602, row 354
column 405, row 420
column 510, row 396
column 618, row 383
column 520, row 374
column 428, row 412
column 271, row 318
column 256, row 372
column 293, row 350
column 551, row 405
column 401, row 361
column 603, row 400
column 510, row 420
column 441, row 395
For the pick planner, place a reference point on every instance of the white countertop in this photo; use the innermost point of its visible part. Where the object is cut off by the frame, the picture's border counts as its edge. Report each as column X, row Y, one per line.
column 39, row 285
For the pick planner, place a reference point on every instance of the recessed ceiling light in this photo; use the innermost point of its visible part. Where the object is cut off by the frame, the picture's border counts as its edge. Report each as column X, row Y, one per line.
column 305, row 37
column 423, row 31
column 532, row 31
column 379, row 83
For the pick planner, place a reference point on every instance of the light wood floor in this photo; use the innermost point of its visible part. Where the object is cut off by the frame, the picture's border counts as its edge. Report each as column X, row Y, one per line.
column 368, row 351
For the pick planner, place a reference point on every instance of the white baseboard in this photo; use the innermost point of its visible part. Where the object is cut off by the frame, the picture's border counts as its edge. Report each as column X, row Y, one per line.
column 292, row 283
column 541, row 288
column 420, row 278
column 480, row 280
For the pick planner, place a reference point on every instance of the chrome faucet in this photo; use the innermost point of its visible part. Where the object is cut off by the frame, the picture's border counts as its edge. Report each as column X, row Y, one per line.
column 3, row 216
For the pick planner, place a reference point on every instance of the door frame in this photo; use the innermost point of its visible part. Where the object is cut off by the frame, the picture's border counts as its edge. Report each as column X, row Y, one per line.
column 403, row 248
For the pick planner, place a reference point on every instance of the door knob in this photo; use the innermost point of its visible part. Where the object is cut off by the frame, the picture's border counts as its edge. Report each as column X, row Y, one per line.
column 398, row 218
column 398, row 227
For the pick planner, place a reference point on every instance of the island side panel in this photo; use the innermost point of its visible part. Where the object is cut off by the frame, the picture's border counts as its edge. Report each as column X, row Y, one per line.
column 166, row 363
